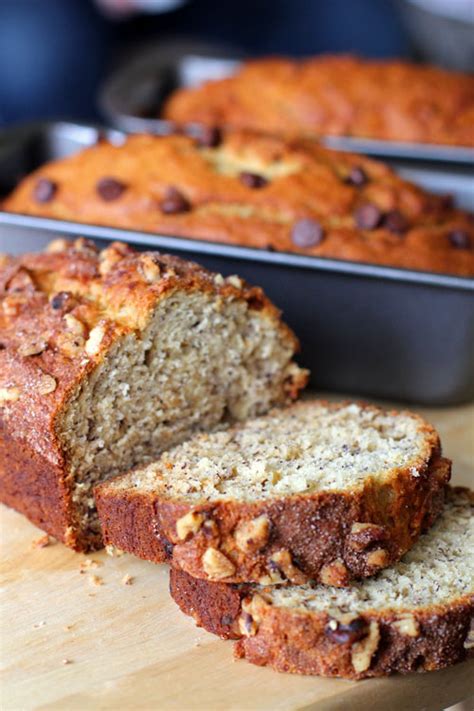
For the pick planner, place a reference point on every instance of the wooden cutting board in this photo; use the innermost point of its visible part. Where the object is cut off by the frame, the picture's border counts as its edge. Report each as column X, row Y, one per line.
column 67, row 643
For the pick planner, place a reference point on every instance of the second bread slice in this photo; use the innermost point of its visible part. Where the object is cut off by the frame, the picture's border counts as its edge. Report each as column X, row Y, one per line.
column 324, row 491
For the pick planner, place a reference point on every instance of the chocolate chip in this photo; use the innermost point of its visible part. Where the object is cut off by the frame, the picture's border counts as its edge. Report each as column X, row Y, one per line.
column 110, row 189
column 174, row 202
column 357, row 177
column 307, row 233
column 209, row 137
column 44, row 190
column 394, row 221
column 459, row 239
column 368, row 216
column 343, row 633
column 446, row 201
column 253, row 180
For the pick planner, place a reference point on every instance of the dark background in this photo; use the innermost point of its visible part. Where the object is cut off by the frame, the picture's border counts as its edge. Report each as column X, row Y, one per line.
column 55, row 54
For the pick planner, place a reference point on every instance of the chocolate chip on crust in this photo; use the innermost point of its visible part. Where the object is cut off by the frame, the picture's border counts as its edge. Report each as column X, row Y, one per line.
column 110, row 189
column 44, row 190
column 459, row 239
column 307, row 233
column 209, row 137
column 368, row 216
column 253, row 180
column 174, row 202
column 357, row 176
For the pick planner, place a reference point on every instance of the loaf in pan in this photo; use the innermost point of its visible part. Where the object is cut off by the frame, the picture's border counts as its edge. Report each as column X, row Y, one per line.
column 256, row 191
column 336, row 95
column 107, row 358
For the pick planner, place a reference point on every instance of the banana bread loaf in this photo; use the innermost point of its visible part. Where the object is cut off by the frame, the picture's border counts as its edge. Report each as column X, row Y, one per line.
column 255, row 191
column 336, row 95
column 415, row 616
column 108, row 358
column 316, row 490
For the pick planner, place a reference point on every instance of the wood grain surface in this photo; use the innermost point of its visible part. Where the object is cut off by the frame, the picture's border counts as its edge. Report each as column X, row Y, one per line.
column 70, row 643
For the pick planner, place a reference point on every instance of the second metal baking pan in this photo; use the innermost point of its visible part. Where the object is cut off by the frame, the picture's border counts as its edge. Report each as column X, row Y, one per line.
column 133, row 97
column 375, row 331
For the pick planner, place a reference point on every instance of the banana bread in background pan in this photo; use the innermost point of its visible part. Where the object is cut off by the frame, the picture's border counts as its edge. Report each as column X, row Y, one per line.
column 257, row 191
column 336, row 95
column 108, row 358
column 416, row 616
column 320, row 491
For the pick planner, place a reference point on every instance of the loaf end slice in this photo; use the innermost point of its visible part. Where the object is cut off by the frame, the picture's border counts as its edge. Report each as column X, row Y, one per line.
column 328, row 492
column 109, row 357
column 416, row 616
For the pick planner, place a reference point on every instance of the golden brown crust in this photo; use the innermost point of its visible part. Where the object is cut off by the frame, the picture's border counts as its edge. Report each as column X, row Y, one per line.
column 60, row 313
column 336, row 95
column 377, row 643
column 321, row 536
column 312, row 201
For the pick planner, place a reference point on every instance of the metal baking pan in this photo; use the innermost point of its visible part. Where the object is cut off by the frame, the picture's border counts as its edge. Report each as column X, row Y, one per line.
column 364, row 329
column 133, row 97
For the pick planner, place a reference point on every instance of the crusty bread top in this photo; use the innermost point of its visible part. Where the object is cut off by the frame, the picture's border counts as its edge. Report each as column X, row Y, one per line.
column 339, row 95
column 61, row 311
column 308, row 447
column 255, row 191
column 438, row 570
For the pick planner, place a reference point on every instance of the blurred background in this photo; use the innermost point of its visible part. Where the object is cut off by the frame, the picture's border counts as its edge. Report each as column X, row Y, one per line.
column 55, row 55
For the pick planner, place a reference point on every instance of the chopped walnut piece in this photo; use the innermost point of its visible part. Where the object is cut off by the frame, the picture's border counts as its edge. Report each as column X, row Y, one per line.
column 377, row 558
column 9, row 394
column 127, row 579
column 407, row 625
column 47, row 384
column 469, row 641
column 95, row 339
column 31, row 347
column 87, row 246
column 247, row 625
column 188, row 525
column 150, row 270
column 363, row 535
column 252, row 535
column 283, row 562
column 235, row 281
column 334, row 573
column 58, row 245
column 114, row 552
column 73, row 324
column 89, row 564
column 217, row 565
column 363, row 650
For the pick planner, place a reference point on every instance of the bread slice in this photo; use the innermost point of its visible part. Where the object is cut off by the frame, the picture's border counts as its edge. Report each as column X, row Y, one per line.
column 317, row 490
column 415, row 616
column 108, row 358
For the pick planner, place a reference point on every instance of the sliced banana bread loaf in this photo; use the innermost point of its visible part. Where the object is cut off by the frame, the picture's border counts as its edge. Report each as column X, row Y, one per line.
column 415, row 616
column 322, row 491
column 108, row 358
column 336, row 95
column 256, row 191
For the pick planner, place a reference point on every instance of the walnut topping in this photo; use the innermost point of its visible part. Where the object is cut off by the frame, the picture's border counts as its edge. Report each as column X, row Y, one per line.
column 75, row 325
column 407, row 625
column 252, row 535
column 9, row 394
column 334, row 573
column 217, row 565
column 31, row 347
column 235, row 281
column 377, row 558
column 218, row 279
column 251, row 615
column 58, row 245
column 11, row 305
column 47, row 384
column 283, row 562
column 150, row 270
column 114, row 253
column 86, row 246
column 363, row 535
column 95, row 339
column 363, row 650
column 188, row 525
